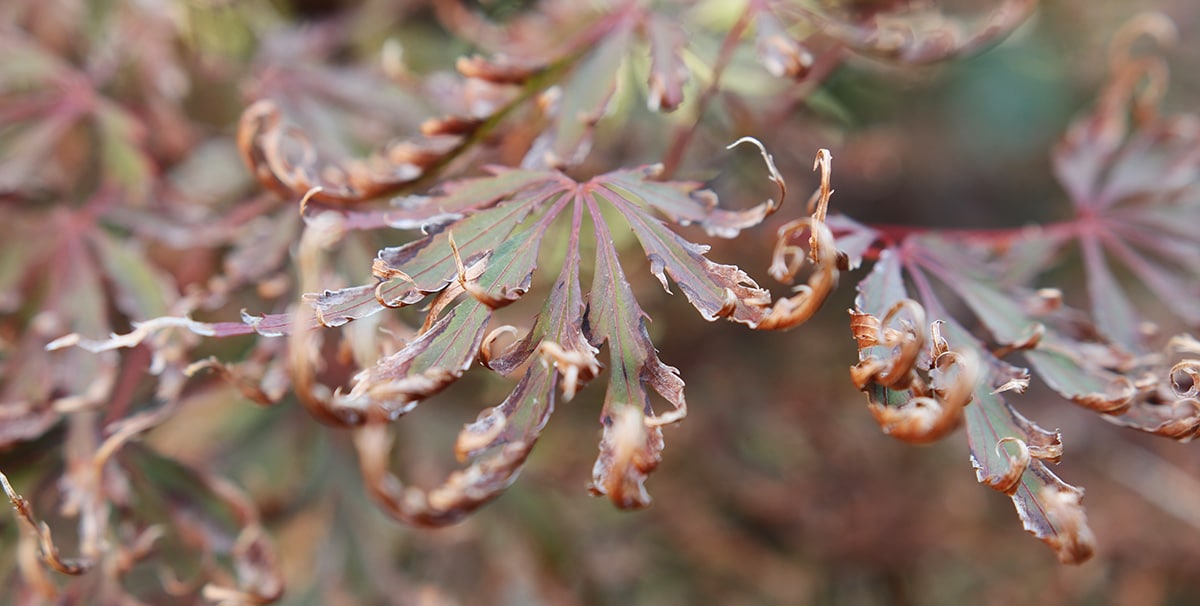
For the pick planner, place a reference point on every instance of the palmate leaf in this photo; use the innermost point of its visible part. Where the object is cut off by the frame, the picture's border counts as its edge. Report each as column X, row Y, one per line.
column 484, row 260
column 1063, row 348
column 1008, row 451
column 1134, row 178
column 490, row 255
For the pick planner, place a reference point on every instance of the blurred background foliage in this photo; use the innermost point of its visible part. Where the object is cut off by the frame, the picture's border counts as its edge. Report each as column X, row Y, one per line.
column 117, row 120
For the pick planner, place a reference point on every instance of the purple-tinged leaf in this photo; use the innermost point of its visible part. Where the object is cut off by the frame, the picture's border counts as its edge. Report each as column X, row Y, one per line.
column 1058, row 357
column 994, row 430
column 453, row 202
column 22, row 252
column 124, row 160
column 1180, row 293
column 425, row 266
column 1114, row 312
column 780, row 54
column 1007, row 449
column 283, row 158
column 683, row 203
column 510, row 265
column 883, row 287
column 262, row 247
column 500, row 457
column 716, row 291
column 559, row 322
column 142, row 291
column 918, row 34
column 516, row 422
column 1123, row 151
column 425, row 366
column 853, row 239
column 632, row 443
column 1132, row 175
column 1168, row 392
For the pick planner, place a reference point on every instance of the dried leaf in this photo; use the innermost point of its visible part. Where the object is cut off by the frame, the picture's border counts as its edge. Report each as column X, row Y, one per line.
column 284, row 159
column 715, row 290
column 501, row 448
column 994, row 429
column 1058, row 357
column 423, row 367
column 632, row 442
column 780, row 54
column 428, row 265
column 558, row 325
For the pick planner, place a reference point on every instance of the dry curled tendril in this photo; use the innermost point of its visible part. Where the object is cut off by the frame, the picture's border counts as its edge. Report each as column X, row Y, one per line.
column 931, row 398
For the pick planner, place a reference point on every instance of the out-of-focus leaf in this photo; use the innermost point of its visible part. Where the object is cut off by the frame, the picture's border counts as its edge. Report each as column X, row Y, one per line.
column 142, row 291
column 208, row 513
column 853, row 239
column 668, row 73
column 262, row 247
column 779, row 53
column 125, row 162
column 580, row 103
column 1134, row 178
column 916, row 34
column 456, row 199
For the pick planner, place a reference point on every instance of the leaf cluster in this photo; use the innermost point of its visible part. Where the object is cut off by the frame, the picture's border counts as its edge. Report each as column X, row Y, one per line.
column 484, row 197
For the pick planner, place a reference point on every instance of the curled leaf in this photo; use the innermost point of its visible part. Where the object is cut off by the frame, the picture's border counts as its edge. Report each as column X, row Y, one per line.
column 629, row 451
column 283, row 158
column 500, row 448
column 822, row 253
column 1073, row 540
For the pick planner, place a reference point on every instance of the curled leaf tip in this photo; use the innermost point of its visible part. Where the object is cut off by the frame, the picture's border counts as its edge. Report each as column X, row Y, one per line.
column 576, row 366
column 1009, row 480
column 1073, row 540
column 629, row 451
column 773, row 172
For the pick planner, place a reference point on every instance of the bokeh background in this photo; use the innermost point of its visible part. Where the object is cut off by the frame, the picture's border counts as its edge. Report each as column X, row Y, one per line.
column 779, row 487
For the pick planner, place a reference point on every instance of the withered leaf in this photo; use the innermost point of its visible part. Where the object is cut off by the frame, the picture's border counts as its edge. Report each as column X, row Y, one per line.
column 425, row 366
column 1059, row 358
column 1007, row 450
column 632, row 442
column 413, row 271
column 500, row 440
